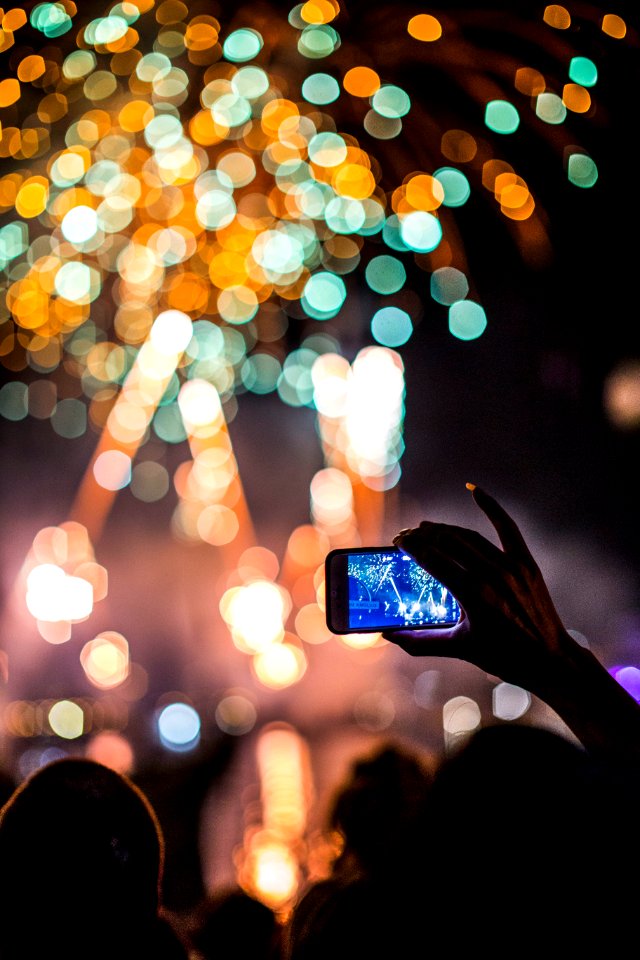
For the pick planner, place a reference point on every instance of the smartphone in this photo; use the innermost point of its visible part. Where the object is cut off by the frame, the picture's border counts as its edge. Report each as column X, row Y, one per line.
column 382, row 588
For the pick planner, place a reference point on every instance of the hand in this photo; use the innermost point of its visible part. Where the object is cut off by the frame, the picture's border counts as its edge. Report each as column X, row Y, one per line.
column 509, row 627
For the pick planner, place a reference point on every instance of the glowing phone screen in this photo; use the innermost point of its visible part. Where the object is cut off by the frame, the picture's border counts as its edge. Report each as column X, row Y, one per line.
column 389, row 589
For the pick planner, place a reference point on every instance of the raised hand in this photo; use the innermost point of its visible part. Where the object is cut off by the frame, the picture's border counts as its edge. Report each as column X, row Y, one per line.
column 510, row 626
column 511, row 629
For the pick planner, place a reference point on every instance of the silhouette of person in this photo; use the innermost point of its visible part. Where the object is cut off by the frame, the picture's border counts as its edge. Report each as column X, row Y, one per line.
column 231, row 923
column 511, row 629
column 533, row 833
column 367, row 907
column 81, row 854
column 523, row 854
column 177, row 787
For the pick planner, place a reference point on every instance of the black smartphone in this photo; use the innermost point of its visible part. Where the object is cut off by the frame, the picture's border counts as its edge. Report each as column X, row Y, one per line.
column 383, row 588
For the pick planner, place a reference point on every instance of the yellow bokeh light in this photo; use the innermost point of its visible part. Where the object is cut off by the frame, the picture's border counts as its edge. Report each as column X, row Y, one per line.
column 491, row 170
column 201, row 33
column 171, row 11
column 206, row 129
column 311, row 625
column 319, row 11
column 50, row 545
column 271, row 872
column 525, row 204
column 354, row 180
column 576, row 98
column 189, row 292
column 268, row 863
column 424, row 192
column 66, row 719
column 511, row 191
column 361, row 81
column 97, row 576
column 32, row 197
column 614, row 26
column 424, row 27
column 105, row 660
column 171, row 332
column 557, row 16
column 31, row 68
column 9, row 187
column 54, row 633
column 258, row 563
column 52, row 107
column 279, row 665
column 14, row 19
column 9, row 91
column 331, row 496
column 72, row 165
column 307, row 546
column 362, row 641
column 199, row 404
column 217, row 525
column 135, row 115
column 256, row 614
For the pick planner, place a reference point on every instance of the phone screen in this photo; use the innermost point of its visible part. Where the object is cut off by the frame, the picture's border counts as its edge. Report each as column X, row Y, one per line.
column 382, row 588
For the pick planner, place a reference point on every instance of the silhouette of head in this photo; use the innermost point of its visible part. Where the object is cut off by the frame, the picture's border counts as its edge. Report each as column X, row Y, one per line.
column 520, row 843
column 514, row 779
column 231, row 923
column 378, row 810
column 82, row 855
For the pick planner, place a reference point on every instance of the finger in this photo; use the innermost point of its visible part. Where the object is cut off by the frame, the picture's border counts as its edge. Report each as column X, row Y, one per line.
column 435, row 561
column 481, row 588
column 504, row 525
column 458, row 558
column 468, row 546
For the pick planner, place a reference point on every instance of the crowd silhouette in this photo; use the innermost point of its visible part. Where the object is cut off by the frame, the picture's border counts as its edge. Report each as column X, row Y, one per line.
column 518, row 840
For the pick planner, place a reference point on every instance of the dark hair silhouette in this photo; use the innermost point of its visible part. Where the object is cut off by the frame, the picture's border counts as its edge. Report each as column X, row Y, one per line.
column 379, row 808
column 521, row 850
column 506, row 849
column 81, row 857
column 367, row 906
column 230, row 923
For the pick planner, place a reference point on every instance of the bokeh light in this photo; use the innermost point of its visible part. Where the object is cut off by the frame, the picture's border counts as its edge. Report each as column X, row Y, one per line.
column 199, row 213
column 236, row 714
column 66, row 719
column 105, row 660
column 53, row 595
column 510, row 702
column 179, row 726
column 460, row 717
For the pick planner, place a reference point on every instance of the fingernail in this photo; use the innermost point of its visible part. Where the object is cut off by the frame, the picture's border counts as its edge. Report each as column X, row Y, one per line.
column 470, row 486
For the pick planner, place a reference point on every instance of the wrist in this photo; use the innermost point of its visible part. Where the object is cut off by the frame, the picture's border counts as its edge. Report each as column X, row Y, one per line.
column 595, row 707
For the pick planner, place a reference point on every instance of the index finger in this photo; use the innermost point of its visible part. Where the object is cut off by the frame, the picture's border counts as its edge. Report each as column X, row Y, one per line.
column 504, row 525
